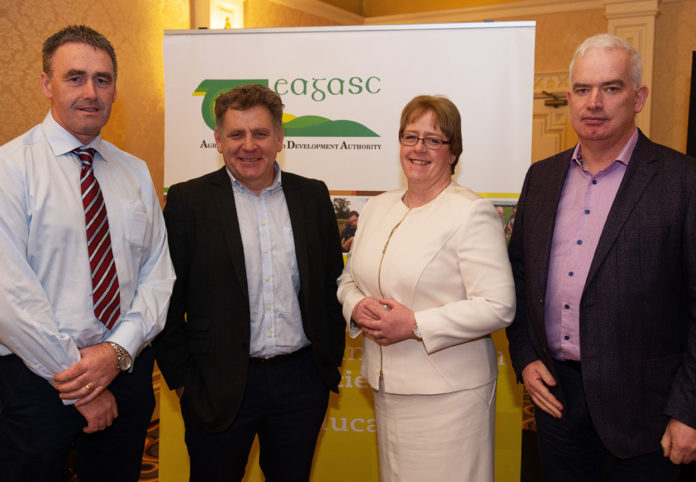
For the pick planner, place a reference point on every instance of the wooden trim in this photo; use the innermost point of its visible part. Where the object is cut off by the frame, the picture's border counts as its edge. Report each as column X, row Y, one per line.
column 526, row 8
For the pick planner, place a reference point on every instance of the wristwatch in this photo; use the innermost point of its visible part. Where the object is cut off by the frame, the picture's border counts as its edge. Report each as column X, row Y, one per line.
column 124, row 359
column 416, row 331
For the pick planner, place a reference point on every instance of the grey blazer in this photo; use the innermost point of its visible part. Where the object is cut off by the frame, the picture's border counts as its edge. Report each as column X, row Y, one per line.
column 638, row 307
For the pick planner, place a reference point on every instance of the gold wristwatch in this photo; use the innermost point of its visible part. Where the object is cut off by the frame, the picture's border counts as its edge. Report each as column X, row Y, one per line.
column 124, row 359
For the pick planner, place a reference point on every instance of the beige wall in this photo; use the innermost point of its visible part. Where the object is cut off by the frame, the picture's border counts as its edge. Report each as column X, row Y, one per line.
column 675, row 39
column 265, row 13
column 558, row 34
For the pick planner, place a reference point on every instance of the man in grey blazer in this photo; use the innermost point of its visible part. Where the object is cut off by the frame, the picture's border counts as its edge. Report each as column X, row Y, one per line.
column 604, row 257
column 254, row 335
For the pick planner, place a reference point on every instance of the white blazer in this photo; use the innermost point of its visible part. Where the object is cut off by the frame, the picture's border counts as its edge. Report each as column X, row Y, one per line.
column 447, row 261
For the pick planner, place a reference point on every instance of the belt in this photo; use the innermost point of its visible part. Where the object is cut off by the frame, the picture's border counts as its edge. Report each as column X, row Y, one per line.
column 275, row 360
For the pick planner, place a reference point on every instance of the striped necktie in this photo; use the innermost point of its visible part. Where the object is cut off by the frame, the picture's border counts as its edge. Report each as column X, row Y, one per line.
column 105, row 292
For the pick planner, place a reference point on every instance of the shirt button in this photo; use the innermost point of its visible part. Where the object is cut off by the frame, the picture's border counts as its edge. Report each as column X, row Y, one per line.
column 594, row 181
column 263, row 223
column 265, row 250
column 567, row 307
column 579, row 241
column 587, row 211
column 571, row 273
column 566, row 337
column 268, row 278
column 268, row 307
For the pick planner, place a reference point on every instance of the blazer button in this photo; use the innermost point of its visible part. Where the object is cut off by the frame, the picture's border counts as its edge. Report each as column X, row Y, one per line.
column 541, row 301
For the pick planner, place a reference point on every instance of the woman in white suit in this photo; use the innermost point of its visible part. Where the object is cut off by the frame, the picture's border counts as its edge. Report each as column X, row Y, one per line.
column 426, row 282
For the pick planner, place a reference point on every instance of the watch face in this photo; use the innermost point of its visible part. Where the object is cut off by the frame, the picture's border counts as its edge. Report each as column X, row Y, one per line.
column 124, row 363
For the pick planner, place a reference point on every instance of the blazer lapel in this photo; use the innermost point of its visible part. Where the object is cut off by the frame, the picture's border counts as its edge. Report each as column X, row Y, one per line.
column 293, row 198
column 641, row 169
column 546, row 204
column 546, row 194
column 229, row 223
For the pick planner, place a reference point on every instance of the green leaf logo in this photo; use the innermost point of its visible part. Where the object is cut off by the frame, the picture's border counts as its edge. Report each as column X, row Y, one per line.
column 303, row 126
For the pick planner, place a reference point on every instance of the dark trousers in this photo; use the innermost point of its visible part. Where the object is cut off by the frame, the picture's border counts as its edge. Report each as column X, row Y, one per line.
column 37, row 431
column 572, row 451
column 284, row 404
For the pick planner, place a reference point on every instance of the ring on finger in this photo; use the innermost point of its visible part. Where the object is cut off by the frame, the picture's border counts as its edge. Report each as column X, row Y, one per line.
column 87, row 387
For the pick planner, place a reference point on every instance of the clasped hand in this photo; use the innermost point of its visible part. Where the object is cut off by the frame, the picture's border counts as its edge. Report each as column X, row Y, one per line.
column 88, row 380
column 386, row 321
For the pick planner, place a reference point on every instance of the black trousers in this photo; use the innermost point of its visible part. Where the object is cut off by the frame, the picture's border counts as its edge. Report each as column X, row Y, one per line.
column 284, row 404
column 37, row 431
column 571, row 449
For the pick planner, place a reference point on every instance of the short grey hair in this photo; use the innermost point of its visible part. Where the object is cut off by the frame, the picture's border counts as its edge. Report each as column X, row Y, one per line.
column 607, row 41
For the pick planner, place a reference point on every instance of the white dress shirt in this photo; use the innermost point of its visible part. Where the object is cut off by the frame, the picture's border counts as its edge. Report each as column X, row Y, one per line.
column 273, row 278
column 46, row 306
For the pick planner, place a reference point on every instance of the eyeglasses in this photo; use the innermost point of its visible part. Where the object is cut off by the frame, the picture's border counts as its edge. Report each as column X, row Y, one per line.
column 432, row 143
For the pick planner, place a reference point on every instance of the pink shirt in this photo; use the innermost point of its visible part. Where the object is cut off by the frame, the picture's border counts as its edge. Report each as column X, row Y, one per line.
column 582, row 211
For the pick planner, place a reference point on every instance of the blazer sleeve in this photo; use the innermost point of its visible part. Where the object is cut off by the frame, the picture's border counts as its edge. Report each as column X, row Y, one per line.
column 681, row 404
column 521, row 348
column 334, row 266
column 485, row 273
column 170, row 346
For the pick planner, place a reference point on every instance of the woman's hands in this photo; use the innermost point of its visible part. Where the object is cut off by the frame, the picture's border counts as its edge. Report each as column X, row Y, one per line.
column 386, row 321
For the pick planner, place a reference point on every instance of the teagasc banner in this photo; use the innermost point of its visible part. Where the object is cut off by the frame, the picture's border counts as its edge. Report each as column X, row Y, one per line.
column 343, row 89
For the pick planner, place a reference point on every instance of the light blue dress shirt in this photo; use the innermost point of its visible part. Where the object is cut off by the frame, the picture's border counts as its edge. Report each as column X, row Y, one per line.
column 46, row 307
column 271, row 269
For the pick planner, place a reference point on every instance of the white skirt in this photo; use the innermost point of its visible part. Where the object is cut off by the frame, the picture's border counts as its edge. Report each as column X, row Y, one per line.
column 446, row 437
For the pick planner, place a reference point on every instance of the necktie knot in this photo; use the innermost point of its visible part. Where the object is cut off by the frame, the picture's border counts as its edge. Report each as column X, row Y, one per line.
column 86, row 155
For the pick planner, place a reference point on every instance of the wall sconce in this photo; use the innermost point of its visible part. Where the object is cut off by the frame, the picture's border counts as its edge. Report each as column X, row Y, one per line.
column 556, row 100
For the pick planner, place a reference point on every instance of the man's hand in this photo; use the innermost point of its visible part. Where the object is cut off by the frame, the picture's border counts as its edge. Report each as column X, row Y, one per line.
column 679, row 442
column 87, row 378
column 537, row 378
column 100, row 412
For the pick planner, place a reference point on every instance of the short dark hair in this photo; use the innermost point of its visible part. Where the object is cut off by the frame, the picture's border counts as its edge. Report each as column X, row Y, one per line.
column 446, row 115
column 247, row 96
column 353, row 213
column 77, row 34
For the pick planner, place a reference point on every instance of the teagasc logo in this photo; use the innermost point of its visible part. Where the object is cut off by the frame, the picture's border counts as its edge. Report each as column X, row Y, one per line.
column 316, row 89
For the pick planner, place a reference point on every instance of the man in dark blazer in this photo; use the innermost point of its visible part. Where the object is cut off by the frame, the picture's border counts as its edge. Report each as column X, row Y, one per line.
column 254, row 336
column 604, row 257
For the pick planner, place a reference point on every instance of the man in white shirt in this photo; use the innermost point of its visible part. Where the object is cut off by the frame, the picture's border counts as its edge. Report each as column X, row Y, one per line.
column 85, row 279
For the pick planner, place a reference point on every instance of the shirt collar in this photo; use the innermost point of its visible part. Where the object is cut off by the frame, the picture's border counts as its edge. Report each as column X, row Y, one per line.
column 275, row 185
column 623, row 157
column 61, row 141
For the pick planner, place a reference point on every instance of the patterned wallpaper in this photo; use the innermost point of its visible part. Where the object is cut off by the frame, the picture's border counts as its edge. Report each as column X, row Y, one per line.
column 134, row 27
